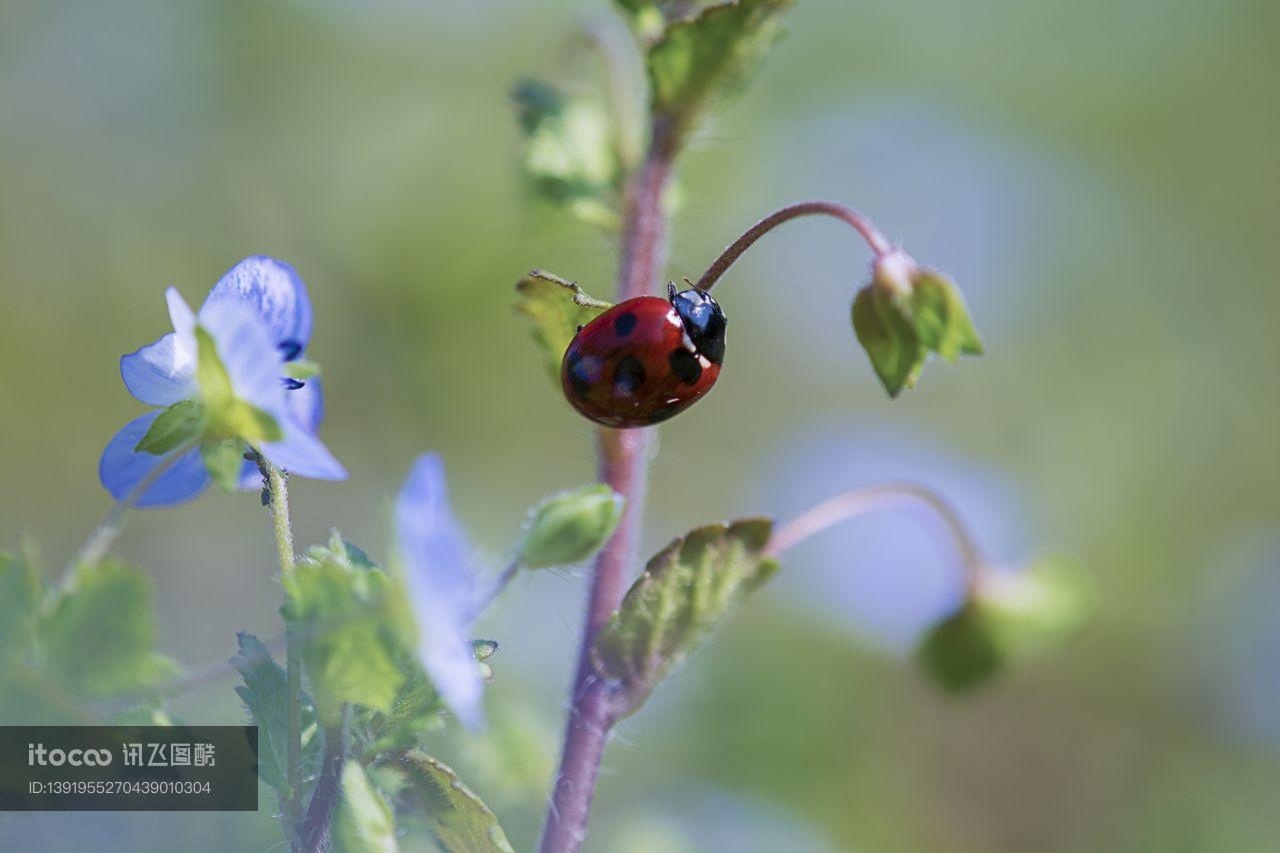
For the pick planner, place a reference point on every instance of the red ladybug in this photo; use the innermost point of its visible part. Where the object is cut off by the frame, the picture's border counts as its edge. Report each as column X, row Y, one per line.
column 646, row 359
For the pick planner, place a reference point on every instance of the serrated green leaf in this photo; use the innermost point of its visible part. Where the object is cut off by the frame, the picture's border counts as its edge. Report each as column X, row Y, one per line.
column 348, row 624
column 570, row 152
column 569, row 527
column 459, row 820
column 557, row 307
column 20, row 590
column 265, row 695
column 226, row 416
column 941, row 319
column 710, row 55
column 888, row 336
column 686, row 590
column 181, row 423
column 1011, row 617
column 98, row 634
column 362, row 822
column 224, row 460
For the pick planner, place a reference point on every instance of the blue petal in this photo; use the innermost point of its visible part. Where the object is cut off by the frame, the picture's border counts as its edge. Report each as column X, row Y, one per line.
column 301, row 452
column 157, row 374
column 122, row 469
column 306, row 407
column 245, row 348
column 275, row 291
column 441, row 587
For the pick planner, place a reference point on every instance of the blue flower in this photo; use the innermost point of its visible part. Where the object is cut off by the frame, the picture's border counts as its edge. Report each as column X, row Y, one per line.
column 443, row 591
column 257, row 317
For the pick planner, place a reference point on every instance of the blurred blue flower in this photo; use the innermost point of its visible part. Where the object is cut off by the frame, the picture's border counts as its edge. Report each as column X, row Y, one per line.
column 259, row 317
column 443, row 591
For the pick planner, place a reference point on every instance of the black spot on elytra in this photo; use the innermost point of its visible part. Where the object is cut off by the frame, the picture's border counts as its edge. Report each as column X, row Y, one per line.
column 628, row 375
column 625, row 324
column 685, row 365
column 577, row 379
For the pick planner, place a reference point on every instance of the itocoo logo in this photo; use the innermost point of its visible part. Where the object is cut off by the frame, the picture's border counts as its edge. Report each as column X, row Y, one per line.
column 37, row 754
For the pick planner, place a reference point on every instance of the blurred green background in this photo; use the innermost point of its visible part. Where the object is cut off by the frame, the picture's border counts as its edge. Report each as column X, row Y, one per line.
column 1100, row 178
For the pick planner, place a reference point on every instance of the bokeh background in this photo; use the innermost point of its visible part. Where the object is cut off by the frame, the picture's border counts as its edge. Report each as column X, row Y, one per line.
column 1100, row 177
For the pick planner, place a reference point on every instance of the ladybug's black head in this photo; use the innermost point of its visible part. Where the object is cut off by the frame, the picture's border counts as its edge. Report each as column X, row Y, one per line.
column 704, row 321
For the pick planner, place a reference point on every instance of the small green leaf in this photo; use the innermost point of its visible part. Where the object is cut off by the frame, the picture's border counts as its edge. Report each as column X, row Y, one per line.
column 647, row 17
column 416, row 711
column 98, row 635
column 180, row 424
column 349, row 625
column 887, row 335
column 20, row 590
column 301, row 369
column 557, row 307
column 571, row 153
column 710, row 55
column 941, row 319
column 569, row 527
column 906, row 313
column 224, row 460
column 266, row 697
column 1012, row 617
column 226, row 416
column 342, row 552
column 459, row 820
column 362, row 822
column 686, row 590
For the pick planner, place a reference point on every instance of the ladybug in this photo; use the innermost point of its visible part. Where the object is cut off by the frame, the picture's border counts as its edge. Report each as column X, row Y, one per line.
column 646, row 359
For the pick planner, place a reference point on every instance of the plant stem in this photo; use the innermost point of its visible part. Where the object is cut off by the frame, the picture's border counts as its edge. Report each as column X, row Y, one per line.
column 314, row 831
column 106, row 533
column 624, row 459
column 855, row 502
column 860, row 223
column 278, row 488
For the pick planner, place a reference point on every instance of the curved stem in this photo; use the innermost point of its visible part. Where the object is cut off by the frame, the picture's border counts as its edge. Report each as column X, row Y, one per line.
column 864, row 226
column 855, row 502
column 106, row 533
column 278, row 489
column 624, row 458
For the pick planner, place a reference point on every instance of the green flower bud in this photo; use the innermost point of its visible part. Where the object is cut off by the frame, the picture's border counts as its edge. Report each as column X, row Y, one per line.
column 571, row 526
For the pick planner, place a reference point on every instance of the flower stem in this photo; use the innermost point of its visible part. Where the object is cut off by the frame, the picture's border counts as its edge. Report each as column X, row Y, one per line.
column 624, row 458
column 886, row 496
column 860, row 223
column 106, row 533
column 278, row 489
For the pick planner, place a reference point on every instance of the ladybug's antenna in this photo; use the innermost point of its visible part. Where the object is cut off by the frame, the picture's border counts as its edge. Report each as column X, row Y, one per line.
column 671, row 290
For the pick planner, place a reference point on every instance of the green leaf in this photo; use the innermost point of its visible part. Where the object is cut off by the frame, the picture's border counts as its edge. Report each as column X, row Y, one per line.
column 889, row 338
column 569, row 527
column 1011, row 617
column 362, row 822
column 226, row 415
column 941, row 319
column 686, row 590
column 181, row 423
column 557, row 307
column 459, row 820
column 906, row 313
column 342, row 552
column 416, row 711
column 98, row 634
column 350, row 625
column 224, row 460
column 265, row 694
column 571, row 152
column 20, row 590
column 710, row 55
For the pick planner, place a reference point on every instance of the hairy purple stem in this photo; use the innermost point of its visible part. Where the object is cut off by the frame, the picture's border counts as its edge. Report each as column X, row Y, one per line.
column 864, row 226
column 624, row 459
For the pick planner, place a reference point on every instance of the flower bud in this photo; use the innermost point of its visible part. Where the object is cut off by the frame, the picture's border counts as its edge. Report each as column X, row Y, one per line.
column 571, row 526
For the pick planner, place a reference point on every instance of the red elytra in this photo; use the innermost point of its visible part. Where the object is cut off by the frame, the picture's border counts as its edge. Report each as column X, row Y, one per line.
column 646, row 359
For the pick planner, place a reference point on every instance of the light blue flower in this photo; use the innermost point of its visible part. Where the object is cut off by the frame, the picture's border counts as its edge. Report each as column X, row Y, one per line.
column 443, row 591
column 258, row 317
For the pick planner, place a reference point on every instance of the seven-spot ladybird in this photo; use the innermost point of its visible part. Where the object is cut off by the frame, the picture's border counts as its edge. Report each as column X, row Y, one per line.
column 646, row 359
